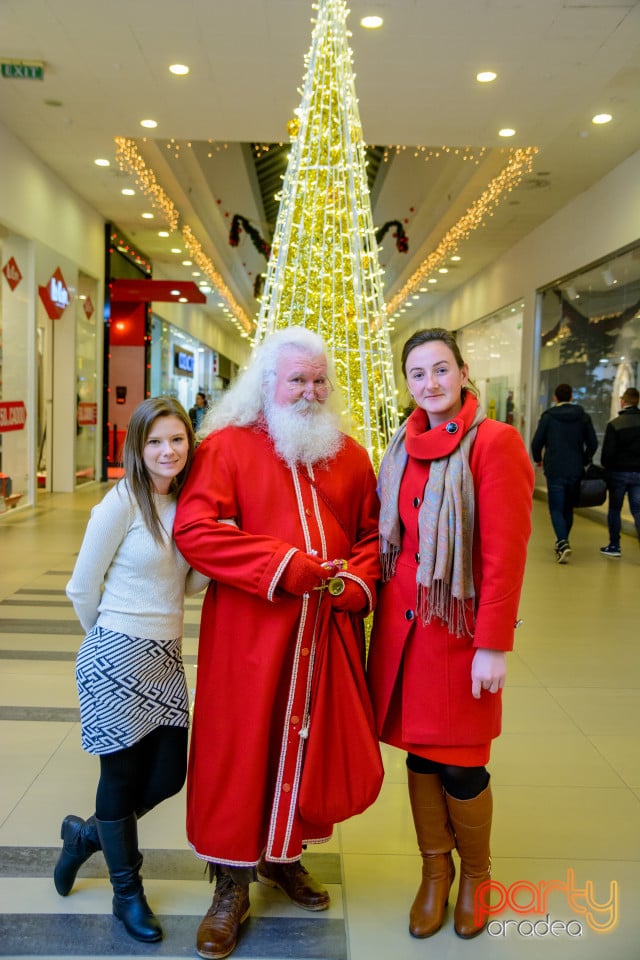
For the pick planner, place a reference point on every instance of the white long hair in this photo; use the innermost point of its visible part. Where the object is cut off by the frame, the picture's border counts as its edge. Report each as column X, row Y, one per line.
column 244, row 401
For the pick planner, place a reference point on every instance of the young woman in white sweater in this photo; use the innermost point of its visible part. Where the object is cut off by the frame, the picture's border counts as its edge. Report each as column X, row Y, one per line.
column 127, row 589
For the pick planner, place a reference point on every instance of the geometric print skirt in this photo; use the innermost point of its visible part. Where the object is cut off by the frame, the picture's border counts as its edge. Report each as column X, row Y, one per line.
column 127, row 687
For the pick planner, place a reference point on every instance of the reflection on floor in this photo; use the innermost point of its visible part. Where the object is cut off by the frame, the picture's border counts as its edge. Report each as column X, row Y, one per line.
column 566, row 779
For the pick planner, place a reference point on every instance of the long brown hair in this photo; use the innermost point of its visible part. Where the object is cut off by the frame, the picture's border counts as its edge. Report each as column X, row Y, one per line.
column 137, row 478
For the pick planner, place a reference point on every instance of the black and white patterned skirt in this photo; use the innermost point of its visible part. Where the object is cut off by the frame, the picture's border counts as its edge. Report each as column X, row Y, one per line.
column 128, row 687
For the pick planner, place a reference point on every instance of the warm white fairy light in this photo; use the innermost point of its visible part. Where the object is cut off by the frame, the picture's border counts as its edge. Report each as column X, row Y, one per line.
column 234, row 312
column 130, row 160
column 520, row 163
column 324, row 271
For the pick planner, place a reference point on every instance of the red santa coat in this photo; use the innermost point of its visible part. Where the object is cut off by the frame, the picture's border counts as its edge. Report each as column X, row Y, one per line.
column 420, row 675
column 257, row 643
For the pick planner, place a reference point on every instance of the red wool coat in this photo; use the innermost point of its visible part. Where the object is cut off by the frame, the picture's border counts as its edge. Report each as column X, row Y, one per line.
column 258, row 644
column 420, row 675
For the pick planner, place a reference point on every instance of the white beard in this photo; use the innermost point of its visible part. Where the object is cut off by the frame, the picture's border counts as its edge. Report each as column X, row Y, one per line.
column 304, row 432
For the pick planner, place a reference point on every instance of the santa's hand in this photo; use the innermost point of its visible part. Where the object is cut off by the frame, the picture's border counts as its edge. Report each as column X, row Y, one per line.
column 352, row 599
column 301, row 575
column 488, row 671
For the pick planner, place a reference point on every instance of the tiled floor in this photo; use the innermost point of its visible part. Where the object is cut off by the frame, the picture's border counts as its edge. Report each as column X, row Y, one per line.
column 566, row 778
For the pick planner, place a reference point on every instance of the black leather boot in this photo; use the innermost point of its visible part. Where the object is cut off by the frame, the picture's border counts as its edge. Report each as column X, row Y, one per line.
column 119, row 840
column 80, row 839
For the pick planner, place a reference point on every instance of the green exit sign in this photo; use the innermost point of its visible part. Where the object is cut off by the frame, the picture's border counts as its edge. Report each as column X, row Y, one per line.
column 22, row 69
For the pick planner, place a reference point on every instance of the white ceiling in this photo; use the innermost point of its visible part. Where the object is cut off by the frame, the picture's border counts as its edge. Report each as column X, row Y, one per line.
column 559, row 62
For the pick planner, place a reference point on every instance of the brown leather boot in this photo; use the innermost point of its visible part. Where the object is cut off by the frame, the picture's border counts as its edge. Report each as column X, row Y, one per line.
column 471, row 822
column 435, row 841
column 296, row 882
column 218, row 931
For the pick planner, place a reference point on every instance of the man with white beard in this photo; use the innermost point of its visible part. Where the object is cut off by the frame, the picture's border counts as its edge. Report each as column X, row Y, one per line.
column 280, row 510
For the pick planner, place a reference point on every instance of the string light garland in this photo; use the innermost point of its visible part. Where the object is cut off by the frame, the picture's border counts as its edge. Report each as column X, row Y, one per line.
column 473, row 154
column 234, row 312
column 129, row 160
column 324, row 272
column 520, row 163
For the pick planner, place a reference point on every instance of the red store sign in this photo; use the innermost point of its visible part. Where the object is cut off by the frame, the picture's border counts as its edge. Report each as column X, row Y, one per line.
column 12, row 273
column 13, row 415
column 55, row 296
column 87, row 414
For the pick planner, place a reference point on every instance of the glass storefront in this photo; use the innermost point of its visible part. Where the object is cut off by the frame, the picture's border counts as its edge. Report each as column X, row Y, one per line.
column 181, row 366
column 15, row 415
column 493, row 349
column 589, row 336
column 87, row 423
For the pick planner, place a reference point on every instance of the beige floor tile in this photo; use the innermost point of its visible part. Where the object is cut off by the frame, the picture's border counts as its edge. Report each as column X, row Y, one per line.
column 623, row 753
column 562, row 759
column 603, row 711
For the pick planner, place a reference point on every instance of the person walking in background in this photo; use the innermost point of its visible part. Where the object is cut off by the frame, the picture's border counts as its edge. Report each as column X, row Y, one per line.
column 455, row 517
column 281, row 511
column 127, row 589
column 198, row 411
column 563, row 444
column 621, row 459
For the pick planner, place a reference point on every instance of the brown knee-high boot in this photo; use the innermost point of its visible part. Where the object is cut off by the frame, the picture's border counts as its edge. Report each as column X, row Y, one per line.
column 471, row 822
column 435, row 841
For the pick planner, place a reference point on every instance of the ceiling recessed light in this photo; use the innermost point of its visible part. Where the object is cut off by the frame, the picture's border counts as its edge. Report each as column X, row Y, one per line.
column 187, row 263
column 101, row 162
column 179, row 69
column 443, row 270
column 486, row 76
column 151, row 124
column 432, row 280
column 182, row 300
column 128, row 192
column 163, row 233
column 176, row 250
column 456, row 258
column 195, row 273
column 147, row 216
column 601, row 118
column 507, row 132
column 371, row 23
column 175, row 293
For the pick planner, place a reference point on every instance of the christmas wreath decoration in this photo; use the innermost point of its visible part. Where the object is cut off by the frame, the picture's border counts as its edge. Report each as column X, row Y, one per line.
column 402, row 240
column 239, row 223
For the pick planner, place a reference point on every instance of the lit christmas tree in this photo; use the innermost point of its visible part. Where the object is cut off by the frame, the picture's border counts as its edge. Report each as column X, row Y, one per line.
column 324, row 272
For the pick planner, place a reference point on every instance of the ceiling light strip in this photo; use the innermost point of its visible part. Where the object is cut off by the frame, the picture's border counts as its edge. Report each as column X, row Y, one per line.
column 193, row 245
column 520, row 163
column 130, row 160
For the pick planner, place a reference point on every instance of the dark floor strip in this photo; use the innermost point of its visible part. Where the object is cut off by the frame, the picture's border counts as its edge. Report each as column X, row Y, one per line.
column 23, row 862
column 10, row 625
column 44, row 714
column 91, row 935
column 57, row 573
column 11, row 602
column 62, row 655
column 30, row 590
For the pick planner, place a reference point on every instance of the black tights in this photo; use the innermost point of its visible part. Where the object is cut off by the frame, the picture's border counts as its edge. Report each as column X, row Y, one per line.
column 462, row 783
column 137, row 778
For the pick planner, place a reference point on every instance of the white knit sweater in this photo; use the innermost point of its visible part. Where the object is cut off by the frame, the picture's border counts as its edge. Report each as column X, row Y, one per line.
column 123, row 580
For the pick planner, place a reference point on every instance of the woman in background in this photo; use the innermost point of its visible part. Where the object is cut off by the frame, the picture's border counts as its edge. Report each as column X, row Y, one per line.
column 128, row 589
column 456, row 493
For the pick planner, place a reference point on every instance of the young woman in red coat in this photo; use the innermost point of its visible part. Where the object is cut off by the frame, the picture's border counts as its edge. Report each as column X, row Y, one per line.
column 456, row 491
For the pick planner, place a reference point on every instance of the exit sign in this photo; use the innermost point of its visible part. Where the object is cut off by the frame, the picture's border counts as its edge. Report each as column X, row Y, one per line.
column 22, row 69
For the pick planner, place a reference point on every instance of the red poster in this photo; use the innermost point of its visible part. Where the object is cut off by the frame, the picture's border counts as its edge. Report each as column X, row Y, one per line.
column 87, row 414
column 13, row 415
column 12, row 273
column 55, row 296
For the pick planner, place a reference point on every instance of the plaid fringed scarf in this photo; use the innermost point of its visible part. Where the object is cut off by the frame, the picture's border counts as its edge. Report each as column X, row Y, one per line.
column 445, row 528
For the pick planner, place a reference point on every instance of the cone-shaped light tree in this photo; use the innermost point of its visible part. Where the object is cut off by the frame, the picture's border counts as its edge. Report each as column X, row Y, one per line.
column 324, row 272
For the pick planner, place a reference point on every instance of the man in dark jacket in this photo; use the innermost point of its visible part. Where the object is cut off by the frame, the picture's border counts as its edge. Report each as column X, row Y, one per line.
column 621, row 459
column 565, row 433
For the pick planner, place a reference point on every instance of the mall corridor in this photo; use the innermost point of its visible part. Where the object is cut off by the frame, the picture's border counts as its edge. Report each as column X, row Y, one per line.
column 566, row 780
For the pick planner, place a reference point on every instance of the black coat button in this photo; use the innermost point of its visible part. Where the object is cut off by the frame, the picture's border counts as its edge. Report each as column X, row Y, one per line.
column 409, row 614
column 416, row 501
column 417, row 558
